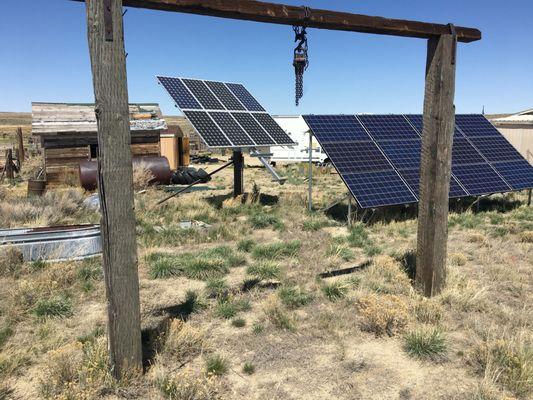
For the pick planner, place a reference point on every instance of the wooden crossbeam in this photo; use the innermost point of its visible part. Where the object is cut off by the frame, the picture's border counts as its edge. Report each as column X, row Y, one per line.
column 315, row 18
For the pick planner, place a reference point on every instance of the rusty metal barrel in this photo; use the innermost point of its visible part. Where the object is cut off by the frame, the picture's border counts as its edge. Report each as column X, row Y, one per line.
column 158, row 166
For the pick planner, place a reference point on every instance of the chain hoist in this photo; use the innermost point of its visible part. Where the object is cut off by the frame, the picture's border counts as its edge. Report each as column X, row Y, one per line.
column 301, row 60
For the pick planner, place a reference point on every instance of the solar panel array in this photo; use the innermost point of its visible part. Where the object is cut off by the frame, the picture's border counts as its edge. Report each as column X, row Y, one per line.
column 224, row 114
column 378, row 157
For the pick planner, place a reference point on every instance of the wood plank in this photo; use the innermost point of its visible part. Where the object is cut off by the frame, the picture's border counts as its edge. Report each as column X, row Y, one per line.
column 435, row 166
column 293, row 15
column 115, row 187
column 145, row 149
column 82, row 152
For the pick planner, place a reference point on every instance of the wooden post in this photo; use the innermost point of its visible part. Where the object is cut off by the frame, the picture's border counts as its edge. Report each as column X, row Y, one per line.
column 435, row 166
column 20, row 148
column 9, row 164
column 115, row 185
column 238, row 173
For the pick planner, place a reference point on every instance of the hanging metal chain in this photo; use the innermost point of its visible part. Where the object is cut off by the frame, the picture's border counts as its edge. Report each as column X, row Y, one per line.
column 300, row 62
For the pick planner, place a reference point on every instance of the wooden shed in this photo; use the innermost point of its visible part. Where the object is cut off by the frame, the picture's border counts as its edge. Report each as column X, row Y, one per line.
column 68, row 135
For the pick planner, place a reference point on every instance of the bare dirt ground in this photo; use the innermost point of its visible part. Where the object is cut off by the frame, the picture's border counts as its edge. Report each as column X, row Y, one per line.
column 236, row 310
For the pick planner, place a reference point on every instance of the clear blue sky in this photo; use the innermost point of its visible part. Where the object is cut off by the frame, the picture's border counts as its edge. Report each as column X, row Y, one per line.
column 44, row 56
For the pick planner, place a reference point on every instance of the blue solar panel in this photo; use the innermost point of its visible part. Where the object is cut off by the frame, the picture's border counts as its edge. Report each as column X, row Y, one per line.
column 245, row 97
column 179, row 93
column 253, row 128
column 473, row 125
column 464, row 153
column 336, row 128
column 349, row 157
column 412, row 177
column 273, row 129
column 210, row 132
column 224, row 95
column 403, row 154
column 388, row 127
column 376, row 189
column 226, row 119
column 483, row 161
column 480, row 179
column 518, row 174
column 231, row 128
column 417, row 121
column 496, row 148
column 206, row 98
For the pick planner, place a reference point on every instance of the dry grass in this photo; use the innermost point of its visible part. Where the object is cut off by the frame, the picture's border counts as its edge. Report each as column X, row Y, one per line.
column 187, row 384
column 278, row 320
column 142, row 176
column 386, row 314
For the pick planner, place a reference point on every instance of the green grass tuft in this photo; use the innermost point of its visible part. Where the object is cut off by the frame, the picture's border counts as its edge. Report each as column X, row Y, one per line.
column 264, row 270
column 426, row 343
column 229, row 307
column 216, row 365
column 294, row 296
column 340, row 250
column 277, row 250
column 335, row 290
column 258, row 328
column 216, row 287
column 55, row 307
column 238, row 322
column 246, row 245
column 261, row 220
column 206, row 264
column 248, row 368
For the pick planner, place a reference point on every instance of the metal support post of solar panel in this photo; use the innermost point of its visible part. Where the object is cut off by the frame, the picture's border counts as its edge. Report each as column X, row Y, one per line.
column 225, row 115
column 378, row 157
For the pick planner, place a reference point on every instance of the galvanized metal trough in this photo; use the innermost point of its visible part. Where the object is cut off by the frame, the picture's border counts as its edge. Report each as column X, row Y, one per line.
column 57, row 243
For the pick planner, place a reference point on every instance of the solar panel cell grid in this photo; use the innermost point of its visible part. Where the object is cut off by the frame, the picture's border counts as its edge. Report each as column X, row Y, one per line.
column 479, row 179
column 402, row 153
column 231, row 128
column 336, row 128
column 245, row 97
column 388, row 127
column 350, row 157
column 177, row 90
column 475, row 125
column 273, row 129
column 375, row 189
column 417, row 121
column 210, row 132
column 252, row 127
column 496, row 148
column 518, row 174
column 412, row 177
column 226, row 119
column 224, row 95
column 200, row 90
column 464, row 153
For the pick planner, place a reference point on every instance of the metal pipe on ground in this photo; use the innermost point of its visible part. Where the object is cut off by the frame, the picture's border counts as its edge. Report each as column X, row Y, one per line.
column 158, row 166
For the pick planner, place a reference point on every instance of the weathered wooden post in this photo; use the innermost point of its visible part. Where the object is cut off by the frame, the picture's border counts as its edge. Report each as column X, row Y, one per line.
column 20, row 147
column 115, row 184
column 9, row 164
column 435, row 166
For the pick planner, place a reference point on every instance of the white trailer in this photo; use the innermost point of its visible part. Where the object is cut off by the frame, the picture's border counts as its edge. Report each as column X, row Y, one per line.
column 297, row 129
